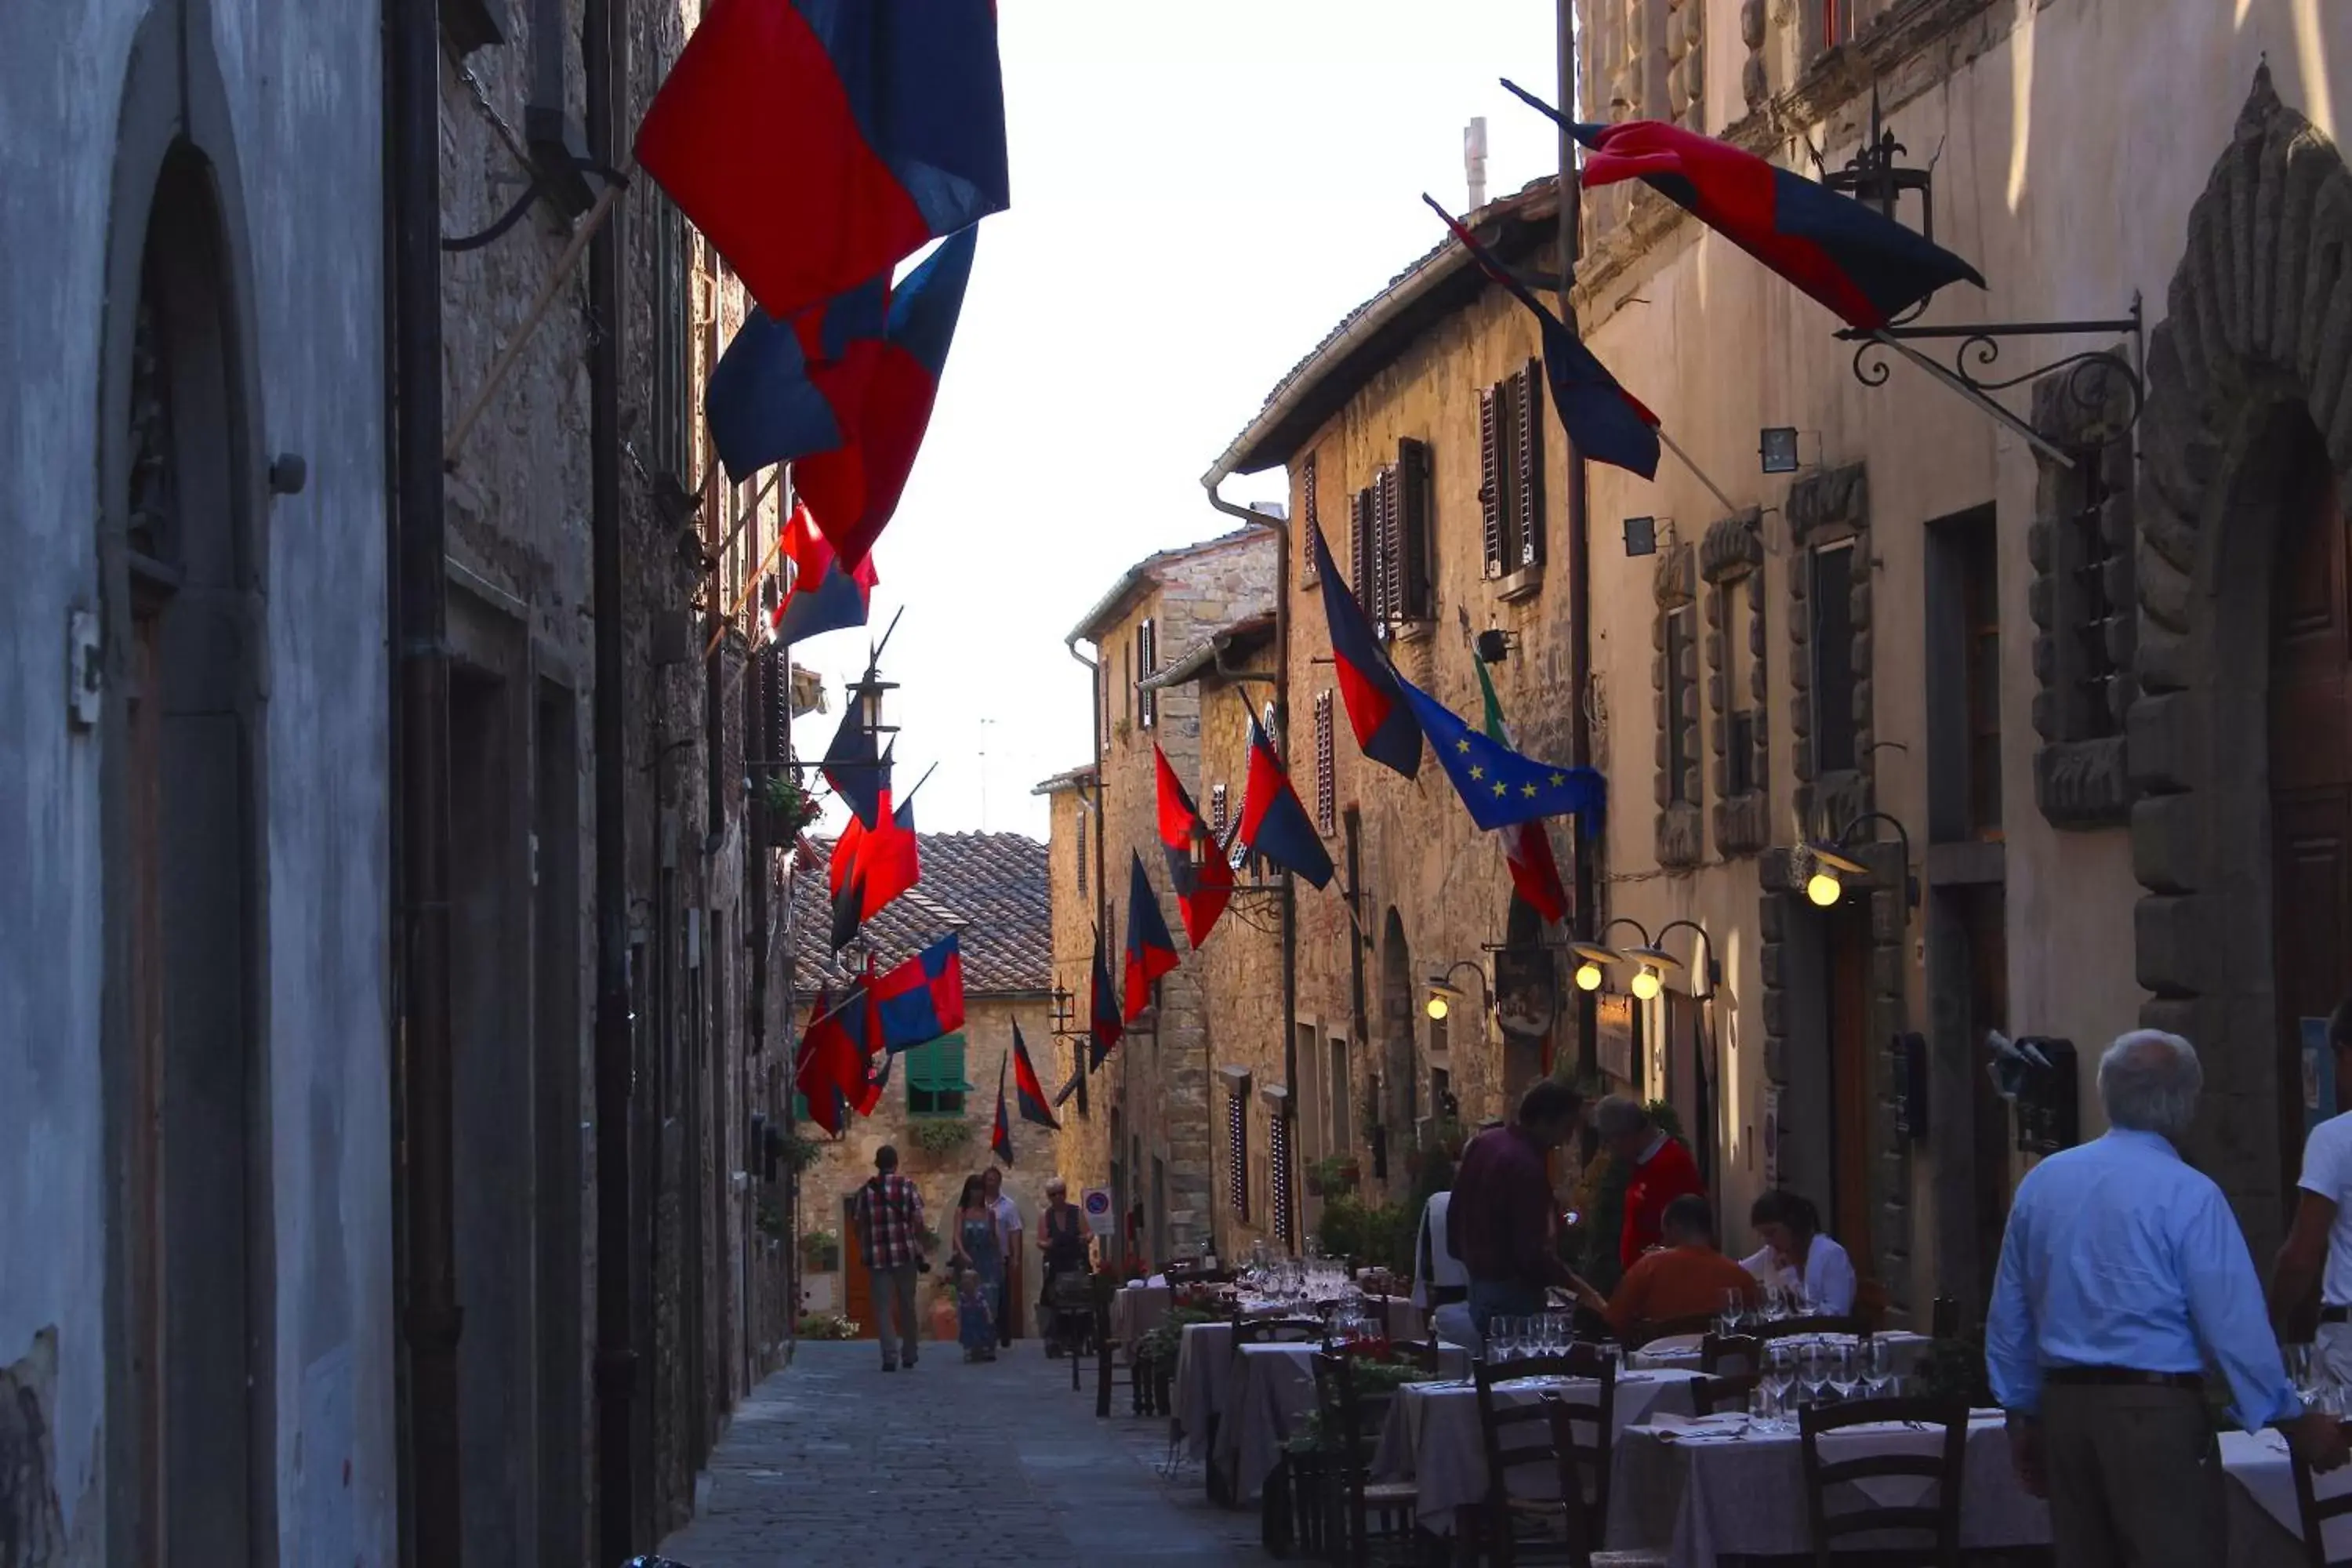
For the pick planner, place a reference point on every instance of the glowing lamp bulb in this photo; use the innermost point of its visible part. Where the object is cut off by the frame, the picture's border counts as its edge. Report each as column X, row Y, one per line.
column 1824, row 889
column 1437, row 1008
column 1646, row 984
column 1587, row 976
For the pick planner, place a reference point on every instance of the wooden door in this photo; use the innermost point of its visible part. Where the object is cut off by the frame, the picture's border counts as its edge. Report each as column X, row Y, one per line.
column 1850, row 1047
column 2311, row 773
column 856, row 1284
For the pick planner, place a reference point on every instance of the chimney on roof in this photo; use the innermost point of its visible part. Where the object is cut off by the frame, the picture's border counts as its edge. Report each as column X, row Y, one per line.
column 1474, row 161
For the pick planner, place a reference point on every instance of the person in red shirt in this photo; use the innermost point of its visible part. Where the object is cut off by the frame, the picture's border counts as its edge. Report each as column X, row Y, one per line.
column 1663, row 1170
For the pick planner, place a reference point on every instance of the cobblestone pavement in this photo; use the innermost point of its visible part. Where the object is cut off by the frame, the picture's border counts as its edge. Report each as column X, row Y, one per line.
column 832, row 1463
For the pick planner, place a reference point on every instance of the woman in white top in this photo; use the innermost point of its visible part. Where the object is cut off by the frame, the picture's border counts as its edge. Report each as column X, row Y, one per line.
column 1796, row 1255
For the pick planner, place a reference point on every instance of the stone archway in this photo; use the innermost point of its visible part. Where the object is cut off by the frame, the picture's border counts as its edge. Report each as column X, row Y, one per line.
column 2258, row 336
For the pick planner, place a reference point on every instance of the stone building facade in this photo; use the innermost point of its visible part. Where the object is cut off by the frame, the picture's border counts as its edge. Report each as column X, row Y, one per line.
column 1147, row 1129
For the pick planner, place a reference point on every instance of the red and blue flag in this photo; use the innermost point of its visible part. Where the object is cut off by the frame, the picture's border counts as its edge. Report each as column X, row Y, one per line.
column 1028, row 1089
column 1383, row 725
column 1150, row 950
column 1608, row 424
column 1203, row 889
column 999, row 1137
column 1104, row 1026
column 785, row 389
column 857, row 772
column 817, row 144
column 922, row 998
column 832, row 1073
column 823, row 597
column 1274, row 823
column 854, row 490
column 882, row 862
column 1854, row 258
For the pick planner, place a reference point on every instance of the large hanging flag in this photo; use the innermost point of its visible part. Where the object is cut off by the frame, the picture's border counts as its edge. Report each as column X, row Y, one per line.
column 1500, row 786
column 831, row 1072
column 1029, row 1091
column 999, row 1137
column 823, row 598
column 1203, row 889
column 1150, row 950
column 1607, row 423
column 785, row 389
column 922, row 998
column 856, row 770
column 854, row 490
column 817, row 144
column 1377, row 711
column 1849, row 256
column 1527, row 847
column 1274, row 822
column 1104, row 1026
column 885, row 862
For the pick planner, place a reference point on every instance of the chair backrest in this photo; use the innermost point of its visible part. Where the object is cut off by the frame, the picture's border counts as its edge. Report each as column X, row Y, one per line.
column 1713, row 1396
column 1278, row 1331
column 1721, row 1354
column 1939, row 1517
column 1821, row 1324
column 2317, row 1512
column 1519, row 1435
column 1583, row 1531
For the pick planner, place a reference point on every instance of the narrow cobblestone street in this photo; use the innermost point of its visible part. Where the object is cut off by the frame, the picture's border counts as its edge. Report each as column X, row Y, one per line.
column 830, row 1462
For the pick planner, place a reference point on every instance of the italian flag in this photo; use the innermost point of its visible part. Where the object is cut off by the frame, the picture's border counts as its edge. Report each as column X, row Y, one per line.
column 1526, row 846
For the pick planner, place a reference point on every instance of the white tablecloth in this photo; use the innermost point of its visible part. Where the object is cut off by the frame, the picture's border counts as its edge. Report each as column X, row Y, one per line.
column 1432, row 1436
column 1136, row 1310
column 1270, row 1389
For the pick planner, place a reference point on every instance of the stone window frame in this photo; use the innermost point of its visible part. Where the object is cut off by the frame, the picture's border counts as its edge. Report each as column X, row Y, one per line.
column 1675, row 695
column 2080, row 774
column 1731, row 553
column 1827, row 507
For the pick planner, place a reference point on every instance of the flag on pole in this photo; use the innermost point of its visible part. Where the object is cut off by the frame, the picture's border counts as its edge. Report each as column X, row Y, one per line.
column 1000, row 1139
column 818, row 144
column 785, row 389
column 1499, row 786
column 858, row 774
column 883, row 862
column 853, row 489
column 1856, row 260
column 922, row 998
column 1274, row 822
column 1104, row 1026
column 1527, row 847
column 1377, row 712
column 1202, row 891
column 1029, row 1092
column 822, row 597
column 1150, row 950
column 1062, row 1095
column 1607, row 423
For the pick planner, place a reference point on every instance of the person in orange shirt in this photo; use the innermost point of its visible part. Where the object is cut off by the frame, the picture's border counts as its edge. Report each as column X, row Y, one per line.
column 1686, row 1277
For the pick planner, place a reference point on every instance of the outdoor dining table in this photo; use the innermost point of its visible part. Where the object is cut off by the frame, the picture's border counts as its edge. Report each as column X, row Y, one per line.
column 1683, row 1349
column 1204, row 1364
column 1272, row 1389
column 1432, row 1436
column 1136, row 1310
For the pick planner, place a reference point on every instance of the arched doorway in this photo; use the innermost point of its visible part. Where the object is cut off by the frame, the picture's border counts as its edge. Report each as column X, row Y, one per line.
column 2244, row 641
column 1399, row 1095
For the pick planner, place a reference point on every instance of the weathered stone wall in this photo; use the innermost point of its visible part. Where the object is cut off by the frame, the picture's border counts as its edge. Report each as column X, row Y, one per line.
column 1082, row 1146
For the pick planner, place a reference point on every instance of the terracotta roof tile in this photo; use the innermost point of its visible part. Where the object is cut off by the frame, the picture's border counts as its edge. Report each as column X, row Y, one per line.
column 990, row 886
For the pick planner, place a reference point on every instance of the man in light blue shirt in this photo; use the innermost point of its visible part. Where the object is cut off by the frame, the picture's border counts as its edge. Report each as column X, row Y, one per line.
column 2122, row 1274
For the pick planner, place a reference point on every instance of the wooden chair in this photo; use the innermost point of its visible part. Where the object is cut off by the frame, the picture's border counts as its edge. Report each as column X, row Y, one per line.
column 2316, row 1511
column 1582, row 1533
column 1369, row 1517
column 1114, row 1361
column 1718, row 1396
column 1940, row 1520
column 1720, row 1354
column 1539, row 1434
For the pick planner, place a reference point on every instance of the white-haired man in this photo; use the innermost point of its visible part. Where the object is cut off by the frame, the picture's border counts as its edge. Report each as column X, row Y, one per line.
column 2122, row 1274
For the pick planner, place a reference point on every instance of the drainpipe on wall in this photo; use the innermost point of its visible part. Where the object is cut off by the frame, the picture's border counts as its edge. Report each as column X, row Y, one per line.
column 604, row 43
column 431, row 1319
column 1095, row 702
column 1580, row 539
column 1280, row 528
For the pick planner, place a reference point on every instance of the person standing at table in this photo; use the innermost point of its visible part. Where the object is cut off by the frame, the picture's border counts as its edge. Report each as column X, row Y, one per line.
column 1008, row 1248
column 1501, row 1220
column 2314, row 1266
column 1688, row 1278
column 2122, row 1272
column 1663, row 1170
column 1796, row 1255
column 888, row 1215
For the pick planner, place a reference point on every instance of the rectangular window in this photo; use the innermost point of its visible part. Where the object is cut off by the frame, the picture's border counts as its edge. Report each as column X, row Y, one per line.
column 1360, row 541
column 1440, row 1095
column 1339, row 1132
column 1326, row 796
column 1146, row 664
column 1740, row 683
column 1493, row 486
column 1277, row 1140
column 1237, row 1151
column 935, row 1085
column 1308, row 478
column 1308, row 1092
column 1981, row 608
column 2090, row 607
column 1682, row 728
column 1526, row 464
column 1832, row 654
column 1218, row 808
column 1413, row 591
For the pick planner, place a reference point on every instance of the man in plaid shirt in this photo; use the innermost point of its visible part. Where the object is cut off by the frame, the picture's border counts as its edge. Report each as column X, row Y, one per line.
column 888, row 1213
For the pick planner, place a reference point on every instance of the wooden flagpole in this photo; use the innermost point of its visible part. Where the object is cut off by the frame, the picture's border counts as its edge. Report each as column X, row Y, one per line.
column 534, row 316
column 1968, row 393
column 750, row 583
column 1671, row 445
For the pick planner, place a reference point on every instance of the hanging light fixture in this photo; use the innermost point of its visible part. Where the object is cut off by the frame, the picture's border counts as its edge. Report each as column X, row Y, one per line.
column 1591, row 963
column 1650, row 978
column 1826, row 885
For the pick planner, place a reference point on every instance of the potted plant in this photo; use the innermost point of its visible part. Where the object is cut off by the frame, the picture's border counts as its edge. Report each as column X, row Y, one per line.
column 1333, row 1177
column 944, row 1138
column 799, row 1152
column 820, row 1251
column 789, row 806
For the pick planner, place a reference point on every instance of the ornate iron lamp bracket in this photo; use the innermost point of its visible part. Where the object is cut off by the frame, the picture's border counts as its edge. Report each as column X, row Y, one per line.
column 2093, row 376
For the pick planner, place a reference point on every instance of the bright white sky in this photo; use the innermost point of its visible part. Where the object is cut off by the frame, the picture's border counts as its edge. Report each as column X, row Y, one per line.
column 1200, row 192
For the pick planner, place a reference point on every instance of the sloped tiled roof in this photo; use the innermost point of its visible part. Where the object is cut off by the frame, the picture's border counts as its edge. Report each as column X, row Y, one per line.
column 990, row 888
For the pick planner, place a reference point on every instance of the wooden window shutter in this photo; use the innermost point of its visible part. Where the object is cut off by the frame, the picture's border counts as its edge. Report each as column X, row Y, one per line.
column 1411, row 587
column 1082, row 848
column 1237, row 1152
column 1217, row 810
column 1359, row 549
column 1388, row 545
column 1526, row 487
column 1307, row 486
column 1327, row 795
column 1490, row 478
column 1146, row 664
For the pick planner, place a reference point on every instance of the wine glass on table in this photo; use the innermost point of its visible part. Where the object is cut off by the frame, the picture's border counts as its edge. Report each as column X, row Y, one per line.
column 1845, row 1370
column 1734, row 1312
column 1880, row 1380
column 1814, row 1370
column 1780, row 1376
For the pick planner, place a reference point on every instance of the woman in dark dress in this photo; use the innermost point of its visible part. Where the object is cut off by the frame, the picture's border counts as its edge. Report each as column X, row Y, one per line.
column 1062, row 1236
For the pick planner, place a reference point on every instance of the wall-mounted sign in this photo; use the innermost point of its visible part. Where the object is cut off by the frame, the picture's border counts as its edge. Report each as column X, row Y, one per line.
column 1096, row 1202
column 1612, row 1035
column 1524, row 995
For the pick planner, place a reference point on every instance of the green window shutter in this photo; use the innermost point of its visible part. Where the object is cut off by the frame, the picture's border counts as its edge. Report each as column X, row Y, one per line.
column 935, row 1082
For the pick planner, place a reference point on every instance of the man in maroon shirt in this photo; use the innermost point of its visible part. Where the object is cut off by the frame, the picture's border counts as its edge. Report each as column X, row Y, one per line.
column 1663, row 1170
column 1502, row 1221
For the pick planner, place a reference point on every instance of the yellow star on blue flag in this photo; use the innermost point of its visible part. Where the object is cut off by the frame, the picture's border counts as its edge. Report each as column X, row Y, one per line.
column 1501, row 786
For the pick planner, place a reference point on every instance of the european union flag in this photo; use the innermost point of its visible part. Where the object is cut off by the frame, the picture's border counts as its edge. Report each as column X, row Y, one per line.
column 1500, row 785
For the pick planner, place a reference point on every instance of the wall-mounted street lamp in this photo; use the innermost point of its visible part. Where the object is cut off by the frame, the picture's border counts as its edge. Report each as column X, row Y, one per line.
column 1832, row 870
column 1494, row 645
column 1640, row 536
column 1776, row 446
column 1445, row 995
column 1590, row 960
column 1650, row 960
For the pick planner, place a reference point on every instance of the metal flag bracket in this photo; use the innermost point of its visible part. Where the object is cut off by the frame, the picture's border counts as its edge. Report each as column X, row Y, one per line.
column 2092, row 376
